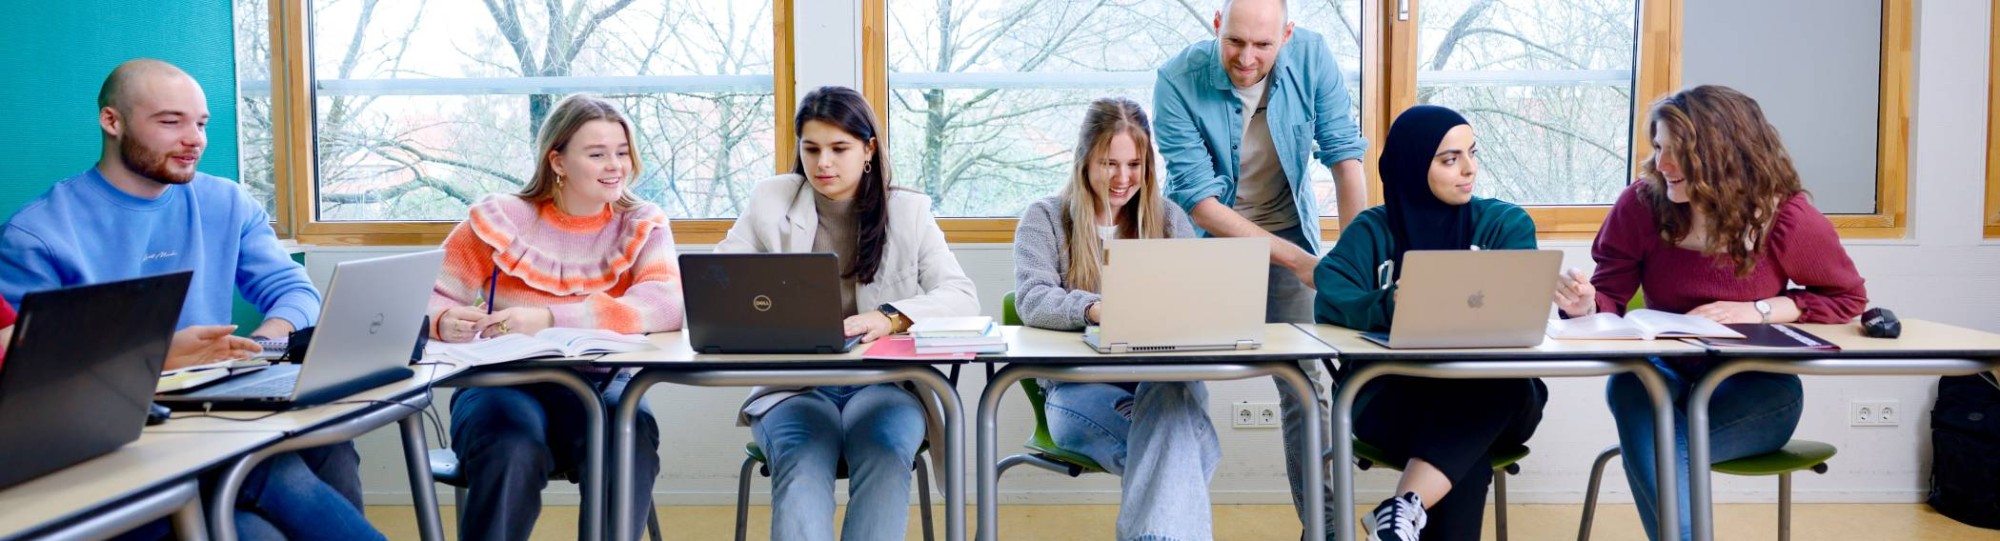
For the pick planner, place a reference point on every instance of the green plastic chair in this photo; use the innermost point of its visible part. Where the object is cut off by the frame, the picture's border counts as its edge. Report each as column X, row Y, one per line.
column 1045, row 454
column 1505, row 462
column 1794, row 456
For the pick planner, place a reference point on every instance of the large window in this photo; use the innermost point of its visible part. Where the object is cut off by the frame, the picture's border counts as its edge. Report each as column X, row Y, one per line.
column 424, row 107
column 986, row 96
column 384, row 120
column 1547, row 84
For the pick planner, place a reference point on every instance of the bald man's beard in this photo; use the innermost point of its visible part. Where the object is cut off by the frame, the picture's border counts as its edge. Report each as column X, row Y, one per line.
column 150, row 164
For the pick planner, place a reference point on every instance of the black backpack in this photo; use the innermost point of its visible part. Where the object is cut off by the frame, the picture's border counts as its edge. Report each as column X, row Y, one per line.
column 1965, row 446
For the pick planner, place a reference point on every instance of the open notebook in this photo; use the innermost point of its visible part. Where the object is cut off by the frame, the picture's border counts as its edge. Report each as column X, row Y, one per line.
column 555, row 342
column 1639, row 324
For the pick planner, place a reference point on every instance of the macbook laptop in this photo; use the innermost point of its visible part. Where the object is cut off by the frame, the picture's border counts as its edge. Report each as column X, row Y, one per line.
column 764, row 303
column 1182, row 295
column 373, row 311
column 1472, row 299
column 78, row 378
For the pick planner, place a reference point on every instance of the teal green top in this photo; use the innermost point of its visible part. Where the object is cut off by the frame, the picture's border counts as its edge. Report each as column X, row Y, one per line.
column 1351, row 293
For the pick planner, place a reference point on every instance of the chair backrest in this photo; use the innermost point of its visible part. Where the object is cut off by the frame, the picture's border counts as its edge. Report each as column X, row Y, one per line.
column 1036, row 399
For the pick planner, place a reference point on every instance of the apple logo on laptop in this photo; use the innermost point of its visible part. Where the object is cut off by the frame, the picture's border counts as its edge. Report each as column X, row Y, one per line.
column 1478, row 299
column 376, row 324
column 761, row 303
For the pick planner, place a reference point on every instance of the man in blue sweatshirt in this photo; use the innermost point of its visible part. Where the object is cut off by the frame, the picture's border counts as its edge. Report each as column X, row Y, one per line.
column 144, row 210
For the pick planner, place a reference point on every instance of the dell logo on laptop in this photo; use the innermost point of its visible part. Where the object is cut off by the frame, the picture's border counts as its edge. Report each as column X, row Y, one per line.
column 1477, row 299
column 761, row 303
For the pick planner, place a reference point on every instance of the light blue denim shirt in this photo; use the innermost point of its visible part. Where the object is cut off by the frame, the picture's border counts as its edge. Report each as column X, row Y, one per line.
column 1198, row 122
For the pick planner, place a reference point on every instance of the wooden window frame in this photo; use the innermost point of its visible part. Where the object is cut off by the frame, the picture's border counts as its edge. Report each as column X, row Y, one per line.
column 1991, row 221
column 1388, row 67
column 292, row 125
column 1388, row 74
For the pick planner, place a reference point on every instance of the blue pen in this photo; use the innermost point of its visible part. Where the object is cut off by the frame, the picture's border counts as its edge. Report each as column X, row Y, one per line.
column 492, row 284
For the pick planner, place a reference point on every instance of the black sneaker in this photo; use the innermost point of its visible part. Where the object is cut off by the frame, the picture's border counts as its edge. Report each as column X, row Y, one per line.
column 1398, row 519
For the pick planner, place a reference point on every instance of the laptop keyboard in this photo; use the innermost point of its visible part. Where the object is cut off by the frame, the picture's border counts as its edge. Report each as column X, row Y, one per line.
column 268, row 387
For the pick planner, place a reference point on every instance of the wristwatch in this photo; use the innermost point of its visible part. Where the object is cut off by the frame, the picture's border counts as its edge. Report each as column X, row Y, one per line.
column 897, row 321
column 1763, row 309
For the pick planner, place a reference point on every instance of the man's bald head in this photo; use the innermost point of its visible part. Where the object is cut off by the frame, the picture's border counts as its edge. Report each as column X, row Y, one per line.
column 1249, row 34
column 134, row 76
column 1284, row 6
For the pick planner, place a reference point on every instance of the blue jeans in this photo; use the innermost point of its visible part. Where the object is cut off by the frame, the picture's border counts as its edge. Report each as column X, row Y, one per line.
column 510, row 439
column 284, row 499
column 1750, row 414
column 875, row 429
column 1159, row 441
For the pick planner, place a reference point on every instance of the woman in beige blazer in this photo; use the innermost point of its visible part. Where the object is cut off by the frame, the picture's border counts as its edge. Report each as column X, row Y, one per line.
column 895, row 270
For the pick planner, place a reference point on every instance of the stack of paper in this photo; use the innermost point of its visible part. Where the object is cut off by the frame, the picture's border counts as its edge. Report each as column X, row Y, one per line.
column 976, row 334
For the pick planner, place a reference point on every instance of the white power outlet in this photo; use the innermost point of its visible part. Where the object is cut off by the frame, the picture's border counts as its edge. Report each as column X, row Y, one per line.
column 1874, row 412
column 1254, row 415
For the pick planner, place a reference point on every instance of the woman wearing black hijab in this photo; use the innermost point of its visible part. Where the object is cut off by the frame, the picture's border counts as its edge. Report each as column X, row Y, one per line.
column 1446, row 428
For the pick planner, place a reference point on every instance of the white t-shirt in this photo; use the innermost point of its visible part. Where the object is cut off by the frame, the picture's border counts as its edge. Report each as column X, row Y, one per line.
column 1263, row 196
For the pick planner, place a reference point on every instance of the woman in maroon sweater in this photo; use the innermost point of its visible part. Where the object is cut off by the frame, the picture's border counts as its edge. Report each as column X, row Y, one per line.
column 1718, row 227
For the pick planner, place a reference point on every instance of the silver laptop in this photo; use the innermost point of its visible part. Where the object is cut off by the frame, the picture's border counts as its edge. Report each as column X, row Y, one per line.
column 1182, row 295
column 1472, row 299
column 368, row 324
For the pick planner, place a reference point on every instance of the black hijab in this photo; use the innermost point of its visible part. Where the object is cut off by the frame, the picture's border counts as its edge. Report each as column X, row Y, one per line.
column 1417, row 219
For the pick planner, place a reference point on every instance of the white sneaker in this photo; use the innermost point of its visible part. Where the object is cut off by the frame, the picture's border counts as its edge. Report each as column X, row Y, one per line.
column 1400, row 518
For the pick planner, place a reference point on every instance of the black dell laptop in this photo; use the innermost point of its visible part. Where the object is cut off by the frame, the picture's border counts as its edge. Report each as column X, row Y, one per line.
column 79, row 374
column 764, row 303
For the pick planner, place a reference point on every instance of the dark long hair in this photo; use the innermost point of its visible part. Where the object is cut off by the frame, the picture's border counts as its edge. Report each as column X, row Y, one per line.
column 1737, row 172
column 844, row 108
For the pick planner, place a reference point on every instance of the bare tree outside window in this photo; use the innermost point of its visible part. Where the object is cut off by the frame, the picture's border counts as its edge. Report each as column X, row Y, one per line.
column 425, row 106
column 1547, row 84
column 987, row 95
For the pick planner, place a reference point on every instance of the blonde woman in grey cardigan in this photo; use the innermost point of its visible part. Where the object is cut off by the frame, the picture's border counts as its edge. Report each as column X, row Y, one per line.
column 1156, row 436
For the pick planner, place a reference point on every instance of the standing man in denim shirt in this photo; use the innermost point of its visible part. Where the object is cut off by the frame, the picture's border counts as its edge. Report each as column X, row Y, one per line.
column 1239, row 118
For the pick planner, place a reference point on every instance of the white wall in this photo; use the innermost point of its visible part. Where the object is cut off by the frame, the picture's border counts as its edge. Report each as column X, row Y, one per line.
column 1943, row 272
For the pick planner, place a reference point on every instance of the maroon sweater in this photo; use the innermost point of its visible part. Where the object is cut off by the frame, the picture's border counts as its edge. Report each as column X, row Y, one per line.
column 1802, row 248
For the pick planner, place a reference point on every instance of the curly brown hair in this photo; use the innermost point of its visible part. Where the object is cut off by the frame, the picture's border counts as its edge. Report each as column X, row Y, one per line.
column 1736, row 169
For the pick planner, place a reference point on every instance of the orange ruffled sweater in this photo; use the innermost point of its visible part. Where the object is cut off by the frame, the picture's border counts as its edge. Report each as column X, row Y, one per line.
column 614, row 271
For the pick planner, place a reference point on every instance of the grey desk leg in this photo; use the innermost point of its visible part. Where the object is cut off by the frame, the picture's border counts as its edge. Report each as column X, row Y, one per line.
column 591, row 514
column 1664, row 453
column 423, row 491
column 1656, row 390
column 625, row 421
column 1302, row 390
column 954, row 450
column 997, row 385
column 222, row 499
column 624, row 453
column 1700, row 487
column 188, row 521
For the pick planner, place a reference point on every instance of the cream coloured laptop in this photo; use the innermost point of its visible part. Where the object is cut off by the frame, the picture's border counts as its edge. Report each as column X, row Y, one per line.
column 1472, row 299
column 1182, row 295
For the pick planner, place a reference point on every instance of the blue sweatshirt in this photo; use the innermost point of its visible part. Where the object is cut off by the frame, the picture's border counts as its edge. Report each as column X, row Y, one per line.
column 86, row 231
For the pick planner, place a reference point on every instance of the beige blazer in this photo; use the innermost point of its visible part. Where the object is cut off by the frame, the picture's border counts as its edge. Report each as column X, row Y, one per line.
column 919, row 275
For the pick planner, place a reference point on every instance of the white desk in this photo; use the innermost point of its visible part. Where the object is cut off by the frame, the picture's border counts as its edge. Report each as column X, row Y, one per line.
column 153, row 477
column 677, row 362
column 1924, row 348
column 1553, row 358
column 1040, row 353
column 401, row 402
